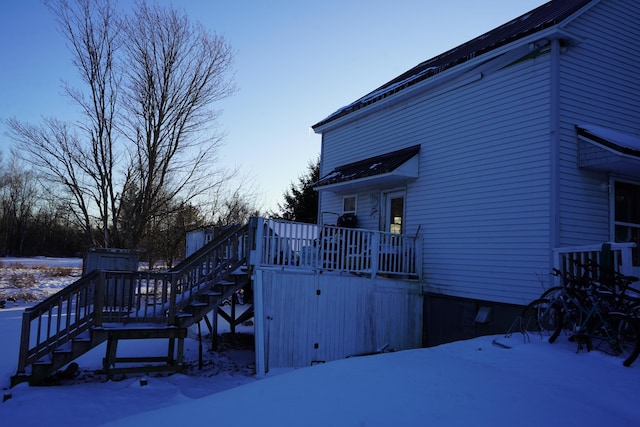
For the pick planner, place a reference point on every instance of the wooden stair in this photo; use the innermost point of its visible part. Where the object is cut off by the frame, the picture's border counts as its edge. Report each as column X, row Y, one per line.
column 211, row 298
column 62, row 355
column 114, row 306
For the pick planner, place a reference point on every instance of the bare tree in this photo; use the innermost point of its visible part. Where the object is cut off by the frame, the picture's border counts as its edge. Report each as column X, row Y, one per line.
column 176, row 70
column 54, row 151
column 19, row 196
column 83, row 161
column 150, row 80
column 91, row 29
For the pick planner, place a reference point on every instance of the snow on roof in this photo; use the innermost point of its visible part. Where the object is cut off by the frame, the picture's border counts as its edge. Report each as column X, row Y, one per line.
column 622, row 142
column 372, row 166
column 545, row 16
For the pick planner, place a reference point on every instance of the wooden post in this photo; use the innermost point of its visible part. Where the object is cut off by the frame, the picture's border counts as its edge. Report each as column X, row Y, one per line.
column 626, row 266
column 110, row 357
column 375, row 254
column 214, row 329
column 180, row 355
column 171, row 350
column 256, row 232
column 232, row 324
column 171, row 318
column 418, row 255
column 259, row 326
column 24, row 341
column 98, row 298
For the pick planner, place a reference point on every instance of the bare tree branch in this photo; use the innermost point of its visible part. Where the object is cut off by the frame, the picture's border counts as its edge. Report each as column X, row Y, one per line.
column 146, row 141
column 176, row 70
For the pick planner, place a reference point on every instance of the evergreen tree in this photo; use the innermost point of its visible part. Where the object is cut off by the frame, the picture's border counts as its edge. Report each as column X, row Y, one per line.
column 301, row 200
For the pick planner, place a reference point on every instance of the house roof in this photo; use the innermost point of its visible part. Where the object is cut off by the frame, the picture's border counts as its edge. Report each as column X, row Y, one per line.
column 545, row 16
column 374, row 166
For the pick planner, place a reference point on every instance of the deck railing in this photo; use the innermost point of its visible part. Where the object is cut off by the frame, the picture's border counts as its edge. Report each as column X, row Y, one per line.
column 574, row 259
column 292, row 245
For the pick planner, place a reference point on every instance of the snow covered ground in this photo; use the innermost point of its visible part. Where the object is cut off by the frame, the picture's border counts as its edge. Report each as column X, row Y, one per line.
column 465, row 383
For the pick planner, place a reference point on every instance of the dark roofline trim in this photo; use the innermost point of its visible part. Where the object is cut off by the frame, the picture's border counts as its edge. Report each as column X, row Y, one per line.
column 449, row 59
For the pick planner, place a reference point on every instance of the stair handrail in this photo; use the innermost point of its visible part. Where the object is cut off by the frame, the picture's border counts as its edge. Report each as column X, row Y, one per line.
column 80, row 320
column 208, row 269
column 197, row 256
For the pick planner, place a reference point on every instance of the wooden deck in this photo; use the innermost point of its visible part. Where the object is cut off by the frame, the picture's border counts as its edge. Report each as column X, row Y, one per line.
column 120, row 305
column 110, row 306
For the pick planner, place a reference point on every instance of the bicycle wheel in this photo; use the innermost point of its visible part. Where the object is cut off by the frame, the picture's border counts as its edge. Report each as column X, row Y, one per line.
column 543, row 317
column 553, row 292
column 618, row 335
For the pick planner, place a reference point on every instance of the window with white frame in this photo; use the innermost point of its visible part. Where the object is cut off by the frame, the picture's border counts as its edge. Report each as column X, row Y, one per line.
column 349, row 204
column 627, row 215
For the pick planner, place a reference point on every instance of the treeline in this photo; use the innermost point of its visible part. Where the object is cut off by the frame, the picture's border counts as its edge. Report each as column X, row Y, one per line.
column 33, row 222
column 36, row 220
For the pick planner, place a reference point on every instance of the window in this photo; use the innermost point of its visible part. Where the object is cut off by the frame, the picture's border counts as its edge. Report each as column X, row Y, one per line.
column 349, row 204
column 627, row 215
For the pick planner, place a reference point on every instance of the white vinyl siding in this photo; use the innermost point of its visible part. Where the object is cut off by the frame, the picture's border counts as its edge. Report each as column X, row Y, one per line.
column 599, row 81
column 318, row 318
column 483, row 199
column 486, row 193
column 482, row 194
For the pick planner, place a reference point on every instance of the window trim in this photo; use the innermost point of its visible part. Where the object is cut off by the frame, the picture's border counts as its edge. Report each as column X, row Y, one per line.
column 355, row 204
column 612, row 210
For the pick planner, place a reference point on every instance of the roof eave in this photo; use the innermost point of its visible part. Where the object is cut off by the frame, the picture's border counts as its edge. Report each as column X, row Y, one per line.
column 344, row 114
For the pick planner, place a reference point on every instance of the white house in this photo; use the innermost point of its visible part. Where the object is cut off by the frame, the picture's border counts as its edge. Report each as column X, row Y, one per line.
column 469, row 177
column 497, row 152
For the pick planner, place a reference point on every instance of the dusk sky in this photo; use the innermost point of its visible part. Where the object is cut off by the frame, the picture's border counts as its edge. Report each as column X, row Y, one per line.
column 296, row 62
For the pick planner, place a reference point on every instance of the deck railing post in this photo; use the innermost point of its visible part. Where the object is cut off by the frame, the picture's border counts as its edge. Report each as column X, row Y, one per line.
column 418, row 255
column 256, row 234
column 375, row 253
column 626, row 262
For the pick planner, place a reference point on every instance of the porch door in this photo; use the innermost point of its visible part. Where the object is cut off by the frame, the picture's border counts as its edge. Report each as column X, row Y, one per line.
column 627, row 217
column 394, row 212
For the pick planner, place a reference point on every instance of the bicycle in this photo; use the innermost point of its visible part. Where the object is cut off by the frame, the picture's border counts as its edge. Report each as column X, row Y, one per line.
column 602, row 316
column 597, row 316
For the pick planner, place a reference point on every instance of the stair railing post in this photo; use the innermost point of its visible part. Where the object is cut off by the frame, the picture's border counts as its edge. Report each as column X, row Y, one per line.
column 24, row 341
column 98, row 298
column 256, row 231
column 171, row 317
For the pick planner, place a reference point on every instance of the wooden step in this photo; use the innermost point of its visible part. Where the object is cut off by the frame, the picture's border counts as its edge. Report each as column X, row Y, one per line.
column 212, row 293
column 183, row 315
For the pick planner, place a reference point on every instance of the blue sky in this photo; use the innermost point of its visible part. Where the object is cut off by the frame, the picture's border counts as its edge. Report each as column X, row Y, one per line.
column 296, row 63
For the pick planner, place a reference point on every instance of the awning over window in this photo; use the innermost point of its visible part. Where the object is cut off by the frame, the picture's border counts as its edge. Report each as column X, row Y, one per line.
column 387, row 169
column 608, row 150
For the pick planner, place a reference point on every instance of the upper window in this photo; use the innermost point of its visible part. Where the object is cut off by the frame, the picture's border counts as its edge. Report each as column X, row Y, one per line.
column 349, row 204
